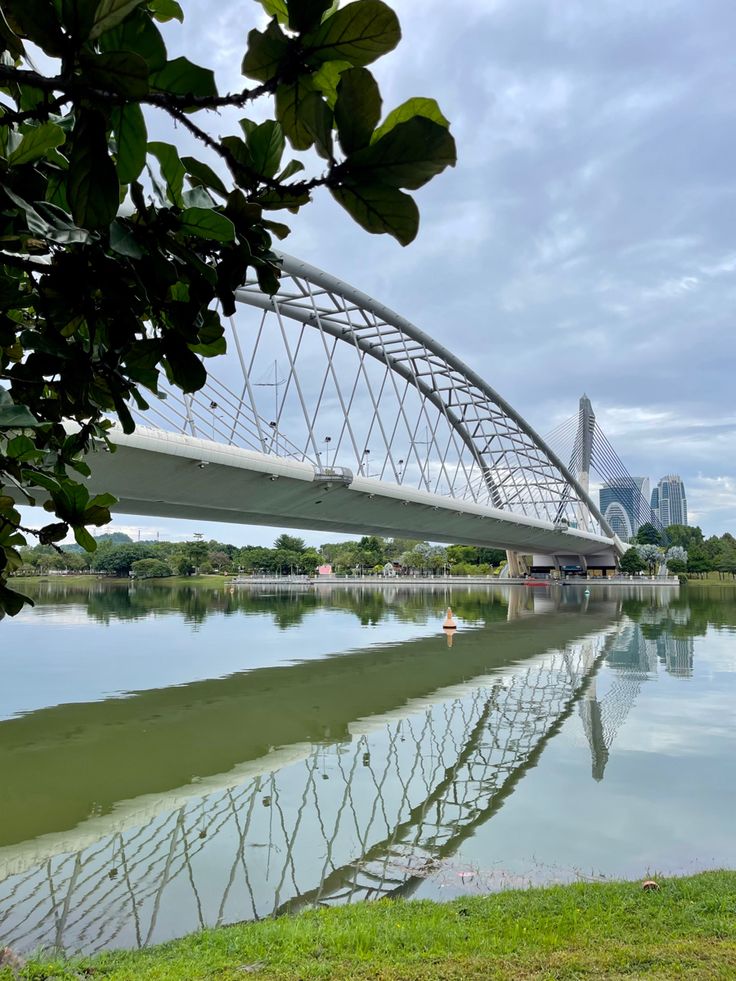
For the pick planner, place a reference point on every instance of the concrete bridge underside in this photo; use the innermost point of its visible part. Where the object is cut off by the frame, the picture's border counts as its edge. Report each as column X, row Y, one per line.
column 169, row 475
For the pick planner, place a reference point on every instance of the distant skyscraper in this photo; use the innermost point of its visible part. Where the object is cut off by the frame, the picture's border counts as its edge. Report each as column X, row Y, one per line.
column 655, row 502
column 625, row 505
column 669, row 502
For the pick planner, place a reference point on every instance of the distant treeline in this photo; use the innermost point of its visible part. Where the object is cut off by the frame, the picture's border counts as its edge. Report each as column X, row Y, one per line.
column 698, row 555
column 118, row 555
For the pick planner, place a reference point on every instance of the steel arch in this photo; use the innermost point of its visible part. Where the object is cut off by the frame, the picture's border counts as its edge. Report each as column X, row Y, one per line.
column 488, row 426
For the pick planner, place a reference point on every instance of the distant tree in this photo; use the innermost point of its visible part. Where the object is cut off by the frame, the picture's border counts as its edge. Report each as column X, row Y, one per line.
column 631, row 562
column 150, row 569
column 648, row 535
column 117, row 560
column 684, row 535
column 652, row 557
column 289, row 543
column 491, row 556
column 309, row 561
column 677, row 554
column 181, row 564
column 196, row 552
column 676, row 566
column 220, row 561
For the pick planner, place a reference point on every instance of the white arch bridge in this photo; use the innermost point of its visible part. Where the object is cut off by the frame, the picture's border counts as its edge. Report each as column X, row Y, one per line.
column 331, row 412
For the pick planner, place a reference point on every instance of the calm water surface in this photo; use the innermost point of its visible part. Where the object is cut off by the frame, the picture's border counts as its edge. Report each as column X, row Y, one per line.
column 173, row 758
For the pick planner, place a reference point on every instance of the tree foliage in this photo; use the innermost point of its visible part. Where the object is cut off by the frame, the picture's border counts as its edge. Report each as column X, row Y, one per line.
column 120, row 255
column 631, row 562
column 648, row 535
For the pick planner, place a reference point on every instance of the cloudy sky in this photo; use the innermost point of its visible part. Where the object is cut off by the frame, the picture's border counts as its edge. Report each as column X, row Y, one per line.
column 585, row 241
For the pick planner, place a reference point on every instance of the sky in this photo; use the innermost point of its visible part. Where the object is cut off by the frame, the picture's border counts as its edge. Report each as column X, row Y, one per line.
column 585, row 241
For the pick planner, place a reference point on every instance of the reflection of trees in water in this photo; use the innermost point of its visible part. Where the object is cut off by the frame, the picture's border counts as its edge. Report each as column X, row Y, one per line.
column 106, row 602
column 362, row 819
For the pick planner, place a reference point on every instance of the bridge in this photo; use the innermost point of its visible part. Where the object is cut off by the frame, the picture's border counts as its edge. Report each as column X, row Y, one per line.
column 332, row 412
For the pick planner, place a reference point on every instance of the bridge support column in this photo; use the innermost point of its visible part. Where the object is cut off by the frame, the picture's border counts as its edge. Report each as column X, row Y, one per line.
column 517, row 564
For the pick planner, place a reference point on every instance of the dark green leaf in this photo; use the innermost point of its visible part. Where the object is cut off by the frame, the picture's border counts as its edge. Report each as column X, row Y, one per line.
column 265, row 52
column 77, row 17
column 50, row 484
column 407, row 110
column 84, row 539
column 14, row 416
column 197, row 197
column 327, row 79
column 129, row 127
column 289, row 100
column 123, row 241
column 359, row 33
column 48, row 221
column 304, row 15
column 10, row 40
column 409, row 155
column 56, row 532
column 96, row 515
column 201, row 173
column 266, row 144
column 164, row 10
column 276, row 8
column 36, row 20
column 103, row 500
column 12, row 602
column 207, row 224
column 316, row 117
column 21, row 448
column 181, row 77
column 275, row 199
column 357, row 110
column 187, row 370
column 110, row 13
column 36, row 141
column 140, row 35
column 118, row 71
column 126, row 419
column 172, row 170
column 278, row 229
column 379, row 209
column 93, row 187
column 293, row 167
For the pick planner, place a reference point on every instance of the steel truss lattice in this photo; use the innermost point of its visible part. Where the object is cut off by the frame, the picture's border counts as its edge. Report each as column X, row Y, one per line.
column 392, row 398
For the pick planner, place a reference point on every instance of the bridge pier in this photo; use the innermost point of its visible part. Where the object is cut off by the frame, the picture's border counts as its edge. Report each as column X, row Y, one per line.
column 517, row 564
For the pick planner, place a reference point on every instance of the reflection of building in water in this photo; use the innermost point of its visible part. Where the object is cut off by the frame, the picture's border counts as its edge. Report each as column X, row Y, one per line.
column 676, row 653
column 324, row 824
column 630, row 664
column 632, row 659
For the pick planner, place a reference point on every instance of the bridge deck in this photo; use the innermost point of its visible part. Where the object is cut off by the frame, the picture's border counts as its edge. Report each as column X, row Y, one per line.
column 170, row 475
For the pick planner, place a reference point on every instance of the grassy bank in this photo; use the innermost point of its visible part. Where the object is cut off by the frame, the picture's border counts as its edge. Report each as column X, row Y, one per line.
column 687, row 929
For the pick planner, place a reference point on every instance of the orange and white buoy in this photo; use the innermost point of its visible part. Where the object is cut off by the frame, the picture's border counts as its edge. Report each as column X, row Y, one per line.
column 449, row 623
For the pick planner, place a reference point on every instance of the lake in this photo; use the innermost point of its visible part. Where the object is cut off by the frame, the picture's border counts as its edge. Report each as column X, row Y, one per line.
column 175, row 757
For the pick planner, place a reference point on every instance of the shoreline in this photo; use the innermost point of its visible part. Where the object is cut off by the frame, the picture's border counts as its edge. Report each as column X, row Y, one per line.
column 683, row 927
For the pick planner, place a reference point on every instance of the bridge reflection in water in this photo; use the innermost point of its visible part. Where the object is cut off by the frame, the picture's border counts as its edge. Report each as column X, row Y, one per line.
column 368, row 815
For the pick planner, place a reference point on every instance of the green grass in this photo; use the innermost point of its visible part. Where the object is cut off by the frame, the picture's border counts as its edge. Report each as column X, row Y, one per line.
column 712, row 580
column 613, row 930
